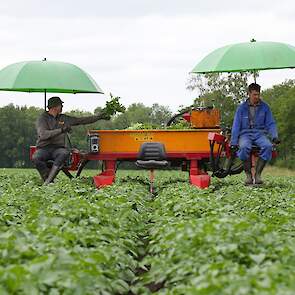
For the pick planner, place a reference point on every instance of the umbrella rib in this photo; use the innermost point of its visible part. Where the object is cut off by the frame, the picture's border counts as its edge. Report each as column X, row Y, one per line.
column 16, row 78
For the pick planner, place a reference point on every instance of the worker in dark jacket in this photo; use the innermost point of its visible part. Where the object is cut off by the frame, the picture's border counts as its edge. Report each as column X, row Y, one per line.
column 254, row 125
column 52, row 127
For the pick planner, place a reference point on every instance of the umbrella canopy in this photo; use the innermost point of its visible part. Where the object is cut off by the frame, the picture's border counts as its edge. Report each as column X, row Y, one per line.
column 47, row 76
column 250, row 56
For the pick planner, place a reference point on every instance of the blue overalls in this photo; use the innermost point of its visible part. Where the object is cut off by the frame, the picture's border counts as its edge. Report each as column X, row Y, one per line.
column 246, row 134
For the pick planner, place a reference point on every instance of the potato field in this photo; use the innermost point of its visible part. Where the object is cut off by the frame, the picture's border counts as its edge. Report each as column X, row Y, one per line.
column 70, row 238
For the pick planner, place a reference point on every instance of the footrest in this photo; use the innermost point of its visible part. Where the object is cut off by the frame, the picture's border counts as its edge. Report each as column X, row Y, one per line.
column 201, row 181
column 103, row 180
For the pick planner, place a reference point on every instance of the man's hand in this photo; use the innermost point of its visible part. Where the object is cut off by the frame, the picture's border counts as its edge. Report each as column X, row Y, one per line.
column 66, row 128
column 104, row 115
column 276, row 140
column 234, row 148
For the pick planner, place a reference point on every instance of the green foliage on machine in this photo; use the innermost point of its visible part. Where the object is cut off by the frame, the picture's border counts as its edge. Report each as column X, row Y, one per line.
column 181, row 124
column 141, row 126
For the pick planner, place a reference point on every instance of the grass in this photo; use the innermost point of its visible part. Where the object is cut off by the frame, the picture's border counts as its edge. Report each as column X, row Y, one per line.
column 277, row 171
column 269, row 171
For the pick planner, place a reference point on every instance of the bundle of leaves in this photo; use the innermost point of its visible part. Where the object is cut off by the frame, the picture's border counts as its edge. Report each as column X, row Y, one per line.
column 113, row 106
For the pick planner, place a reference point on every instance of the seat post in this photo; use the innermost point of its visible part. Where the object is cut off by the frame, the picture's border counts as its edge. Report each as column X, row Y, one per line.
column 152, row 178
column 253, row 164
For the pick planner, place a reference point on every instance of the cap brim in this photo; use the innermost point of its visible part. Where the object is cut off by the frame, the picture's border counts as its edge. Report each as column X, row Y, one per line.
column 55, row 105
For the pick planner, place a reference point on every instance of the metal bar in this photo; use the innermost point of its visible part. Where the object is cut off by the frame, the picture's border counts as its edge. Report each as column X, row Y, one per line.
column 152, row 178
column 45, row 100
column 255, row 74
column 133, row 156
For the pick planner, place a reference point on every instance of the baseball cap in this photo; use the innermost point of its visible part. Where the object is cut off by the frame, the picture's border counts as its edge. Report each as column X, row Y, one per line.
column 54, row 101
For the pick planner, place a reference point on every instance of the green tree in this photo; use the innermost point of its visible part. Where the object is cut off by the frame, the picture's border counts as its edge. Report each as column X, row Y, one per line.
column 17, row 133
column 281, row 99
column 222, row 91
column 136, row 113
column 160, row 115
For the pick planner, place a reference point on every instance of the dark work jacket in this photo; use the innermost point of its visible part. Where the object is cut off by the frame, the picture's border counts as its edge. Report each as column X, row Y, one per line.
column 49, row 130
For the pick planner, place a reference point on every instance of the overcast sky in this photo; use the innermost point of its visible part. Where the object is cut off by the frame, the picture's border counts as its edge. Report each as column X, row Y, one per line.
column 141, row 50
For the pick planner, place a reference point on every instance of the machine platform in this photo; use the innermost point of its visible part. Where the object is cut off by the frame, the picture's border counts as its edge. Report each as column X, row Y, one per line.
column 189, row 147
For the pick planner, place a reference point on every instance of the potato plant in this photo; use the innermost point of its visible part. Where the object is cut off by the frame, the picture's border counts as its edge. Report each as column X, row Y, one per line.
column 69, row 238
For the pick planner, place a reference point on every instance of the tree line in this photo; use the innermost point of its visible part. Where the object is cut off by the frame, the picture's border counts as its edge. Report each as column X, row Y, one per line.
column 18, row 130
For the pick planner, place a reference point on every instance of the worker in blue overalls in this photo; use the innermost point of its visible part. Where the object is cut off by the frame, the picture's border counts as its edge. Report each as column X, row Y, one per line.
column 254, row 125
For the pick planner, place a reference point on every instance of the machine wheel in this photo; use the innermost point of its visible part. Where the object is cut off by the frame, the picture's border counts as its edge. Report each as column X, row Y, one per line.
column 176, row 117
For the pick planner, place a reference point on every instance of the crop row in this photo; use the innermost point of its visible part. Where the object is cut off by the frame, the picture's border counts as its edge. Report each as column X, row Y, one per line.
column 69, row 238
column 229, row 239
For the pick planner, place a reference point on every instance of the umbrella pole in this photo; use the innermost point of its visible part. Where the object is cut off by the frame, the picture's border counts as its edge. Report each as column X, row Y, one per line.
column 45, row 100
column 255, row 75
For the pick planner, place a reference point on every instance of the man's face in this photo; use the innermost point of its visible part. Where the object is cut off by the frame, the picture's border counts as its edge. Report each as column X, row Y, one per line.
column 254, row 96
column 58, row 109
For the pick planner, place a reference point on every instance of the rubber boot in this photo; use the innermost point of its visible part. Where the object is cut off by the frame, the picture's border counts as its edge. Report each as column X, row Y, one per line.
column 44, row 173
column 52, row 174
column 259, row 167
column 247, row 169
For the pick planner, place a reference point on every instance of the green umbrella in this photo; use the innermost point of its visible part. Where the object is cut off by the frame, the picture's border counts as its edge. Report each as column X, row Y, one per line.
column 251, row 56
column 47, row 76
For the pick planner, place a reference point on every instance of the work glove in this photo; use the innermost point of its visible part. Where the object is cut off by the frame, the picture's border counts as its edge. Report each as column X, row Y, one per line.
column 66, row 128
column 276, row 140
column 103, row 115
column 234, row 148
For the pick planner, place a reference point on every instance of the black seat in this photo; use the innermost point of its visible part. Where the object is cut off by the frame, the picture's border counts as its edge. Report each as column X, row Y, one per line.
column 152, row 155
column 64, row 169
column 255, row 148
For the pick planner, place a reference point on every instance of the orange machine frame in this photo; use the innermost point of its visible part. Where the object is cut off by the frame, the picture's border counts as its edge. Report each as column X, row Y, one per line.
column 175, row 141
column 190, row 145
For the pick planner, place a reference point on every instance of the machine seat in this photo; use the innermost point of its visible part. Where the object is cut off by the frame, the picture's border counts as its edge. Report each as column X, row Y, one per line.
column 151, row 164
column 152, row 155
column 71, row 164
column 256, row 149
